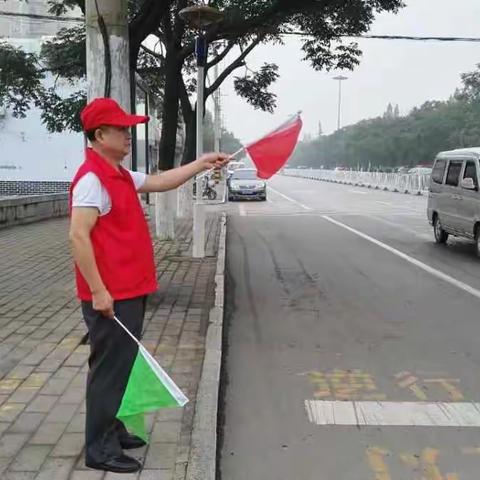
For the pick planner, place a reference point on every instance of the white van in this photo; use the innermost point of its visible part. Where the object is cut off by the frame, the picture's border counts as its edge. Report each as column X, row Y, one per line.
column 454, row 198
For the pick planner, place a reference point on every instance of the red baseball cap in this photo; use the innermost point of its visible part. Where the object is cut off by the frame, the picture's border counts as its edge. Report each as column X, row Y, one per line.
column 106, row 111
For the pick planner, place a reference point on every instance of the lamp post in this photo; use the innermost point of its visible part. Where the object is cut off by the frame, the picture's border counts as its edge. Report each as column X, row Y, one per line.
column 200, row 17
column 340, row 79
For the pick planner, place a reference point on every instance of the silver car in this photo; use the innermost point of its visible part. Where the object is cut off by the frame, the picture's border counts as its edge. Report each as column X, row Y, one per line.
column 245, row 185
column 454, row 198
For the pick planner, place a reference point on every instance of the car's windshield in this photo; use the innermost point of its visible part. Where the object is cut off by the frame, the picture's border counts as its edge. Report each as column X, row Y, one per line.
column 245, row 175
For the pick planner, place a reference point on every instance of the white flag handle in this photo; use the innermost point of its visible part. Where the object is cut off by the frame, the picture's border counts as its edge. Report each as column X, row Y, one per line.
column 127, row 331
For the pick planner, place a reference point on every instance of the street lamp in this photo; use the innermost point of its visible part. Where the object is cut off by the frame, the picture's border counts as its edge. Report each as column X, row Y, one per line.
column 340, row 79
column 200, row 17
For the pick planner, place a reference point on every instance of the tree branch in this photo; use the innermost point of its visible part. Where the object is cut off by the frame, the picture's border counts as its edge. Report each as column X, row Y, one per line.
column 222, row 55
column 235, row 30
column 158, row 56
column 239, row 62
column 146, row 22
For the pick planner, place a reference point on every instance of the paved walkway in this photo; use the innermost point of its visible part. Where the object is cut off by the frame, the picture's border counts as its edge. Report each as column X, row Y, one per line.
column 43, row 356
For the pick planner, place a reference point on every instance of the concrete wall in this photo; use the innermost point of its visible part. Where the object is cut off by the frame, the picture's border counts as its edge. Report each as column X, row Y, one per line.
column 21, row 210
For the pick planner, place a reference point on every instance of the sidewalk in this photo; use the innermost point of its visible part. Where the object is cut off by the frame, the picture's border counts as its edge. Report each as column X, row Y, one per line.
column 43, row 358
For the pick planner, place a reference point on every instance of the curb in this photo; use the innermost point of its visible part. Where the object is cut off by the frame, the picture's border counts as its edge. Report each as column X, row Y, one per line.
column 203, row 452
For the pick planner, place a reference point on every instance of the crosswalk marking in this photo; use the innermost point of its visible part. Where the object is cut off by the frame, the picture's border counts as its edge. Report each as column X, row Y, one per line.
column 420, row 414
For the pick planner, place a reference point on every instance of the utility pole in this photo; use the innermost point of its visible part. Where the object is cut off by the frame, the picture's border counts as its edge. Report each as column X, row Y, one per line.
column 340, row 79
column 108, row 69
column 217, row 114
column 200, row 17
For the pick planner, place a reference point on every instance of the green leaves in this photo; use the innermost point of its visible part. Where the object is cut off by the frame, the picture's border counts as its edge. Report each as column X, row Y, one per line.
column 20, row 78
column 61, row 7
column 58, row 113
column 65, row 55
column 254, row 87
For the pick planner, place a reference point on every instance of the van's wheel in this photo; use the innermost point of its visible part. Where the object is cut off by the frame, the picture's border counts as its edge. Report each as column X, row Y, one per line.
column 477, row 241
column 441, row 236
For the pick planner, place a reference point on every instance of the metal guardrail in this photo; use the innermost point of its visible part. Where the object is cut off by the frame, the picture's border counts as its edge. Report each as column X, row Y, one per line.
column 417, row 184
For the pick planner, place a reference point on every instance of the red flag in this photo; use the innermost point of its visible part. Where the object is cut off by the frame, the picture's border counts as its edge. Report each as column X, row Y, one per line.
column 271, row 153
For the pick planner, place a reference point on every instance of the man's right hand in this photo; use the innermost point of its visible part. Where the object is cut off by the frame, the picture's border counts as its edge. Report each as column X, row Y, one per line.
column 103, row 302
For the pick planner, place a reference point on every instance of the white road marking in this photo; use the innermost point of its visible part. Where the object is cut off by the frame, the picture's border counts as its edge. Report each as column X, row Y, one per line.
column 385, row 203
column 358, row 191
column 423, row 236
column 399, row 414
column 290, row 199
column 242, row 209
column 427, row 268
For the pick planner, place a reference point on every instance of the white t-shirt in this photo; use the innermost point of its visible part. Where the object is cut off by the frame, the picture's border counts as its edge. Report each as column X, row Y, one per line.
column 89, row 191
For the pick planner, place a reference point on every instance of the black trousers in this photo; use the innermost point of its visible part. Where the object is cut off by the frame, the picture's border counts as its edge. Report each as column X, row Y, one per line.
column 112, row 354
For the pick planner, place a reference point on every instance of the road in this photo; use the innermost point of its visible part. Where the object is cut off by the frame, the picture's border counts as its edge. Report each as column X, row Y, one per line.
column 352, row 340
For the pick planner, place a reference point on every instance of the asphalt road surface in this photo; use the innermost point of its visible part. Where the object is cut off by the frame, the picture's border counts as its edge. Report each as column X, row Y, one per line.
column 352, row 340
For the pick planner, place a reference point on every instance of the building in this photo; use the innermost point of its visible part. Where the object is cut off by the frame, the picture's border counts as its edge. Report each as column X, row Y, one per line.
column 24, row 27
column 33, row 160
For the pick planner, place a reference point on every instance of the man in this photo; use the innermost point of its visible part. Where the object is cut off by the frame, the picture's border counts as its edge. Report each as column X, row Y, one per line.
column 115, row 269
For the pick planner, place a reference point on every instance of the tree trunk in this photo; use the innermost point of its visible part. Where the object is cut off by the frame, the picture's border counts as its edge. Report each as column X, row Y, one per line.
column 190, row 150
column 108, row 71
column 185, row 192
column 168, row 138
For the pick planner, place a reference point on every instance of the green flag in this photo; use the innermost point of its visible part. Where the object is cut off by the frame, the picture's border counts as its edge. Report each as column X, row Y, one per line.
column 149, row 388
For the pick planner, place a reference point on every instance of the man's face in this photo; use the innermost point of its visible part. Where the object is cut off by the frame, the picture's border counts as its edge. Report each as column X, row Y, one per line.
column 115, row 141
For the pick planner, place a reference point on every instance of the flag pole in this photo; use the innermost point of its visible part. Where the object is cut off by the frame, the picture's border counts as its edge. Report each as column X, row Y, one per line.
column 128, row 331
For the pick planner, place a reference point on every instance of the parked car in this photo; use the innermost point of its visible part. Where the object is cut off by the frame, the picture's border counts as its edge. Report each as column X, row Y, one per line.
column 454, row 199
column 244, row 184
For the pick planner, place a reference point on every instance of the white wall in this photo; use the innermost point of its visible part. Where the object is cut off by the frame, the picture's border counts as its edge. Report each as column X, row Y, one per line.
column 28, row 151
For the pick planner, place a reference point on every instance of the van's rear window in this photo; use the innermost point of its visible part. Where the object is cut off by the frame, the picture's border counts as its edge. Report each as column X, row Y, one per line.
column 439, row 171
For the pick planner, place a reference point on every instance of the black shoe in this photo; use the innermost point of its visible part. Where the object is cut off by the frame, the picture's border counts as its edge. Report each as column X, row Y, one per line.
column 128, row 442
column 120, row 464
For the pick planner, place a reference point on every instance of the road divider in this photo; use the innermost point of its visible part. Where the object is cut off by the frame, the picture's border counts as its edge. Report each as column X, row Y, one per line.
column 415, row 184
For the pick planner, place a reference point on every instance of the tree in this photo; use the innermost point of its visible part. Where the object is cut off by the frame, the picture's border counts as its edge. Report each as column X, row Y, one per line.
column 248, row 24
column 387, row 142
column 170, row 68
column 389, row 112
column 64, row 57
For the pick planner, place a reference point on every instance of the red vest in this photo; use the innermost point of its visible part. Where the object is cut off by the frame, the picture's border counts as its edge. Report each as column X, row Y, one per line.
column 121, row 239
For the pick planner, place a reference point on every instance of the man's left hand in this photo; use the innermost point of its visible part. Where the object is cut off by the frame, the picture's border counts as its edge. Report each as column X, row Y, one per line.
column 213, row 160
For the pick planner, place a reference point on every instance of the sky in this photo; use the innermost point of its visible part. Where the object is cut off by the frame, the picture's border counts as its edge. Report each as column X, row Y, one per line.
column 398, row 72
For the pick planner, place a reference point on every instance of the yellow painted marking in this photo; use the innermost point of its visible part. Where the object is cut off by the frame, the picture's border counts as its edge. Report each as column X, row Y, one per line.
column 407, row 380
column 374, row 397
column 349, row 385
column 430, row 467
column 409, row 460
column 470, row 450
column 376, row 459
column 448, row 384
column 418, row 392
